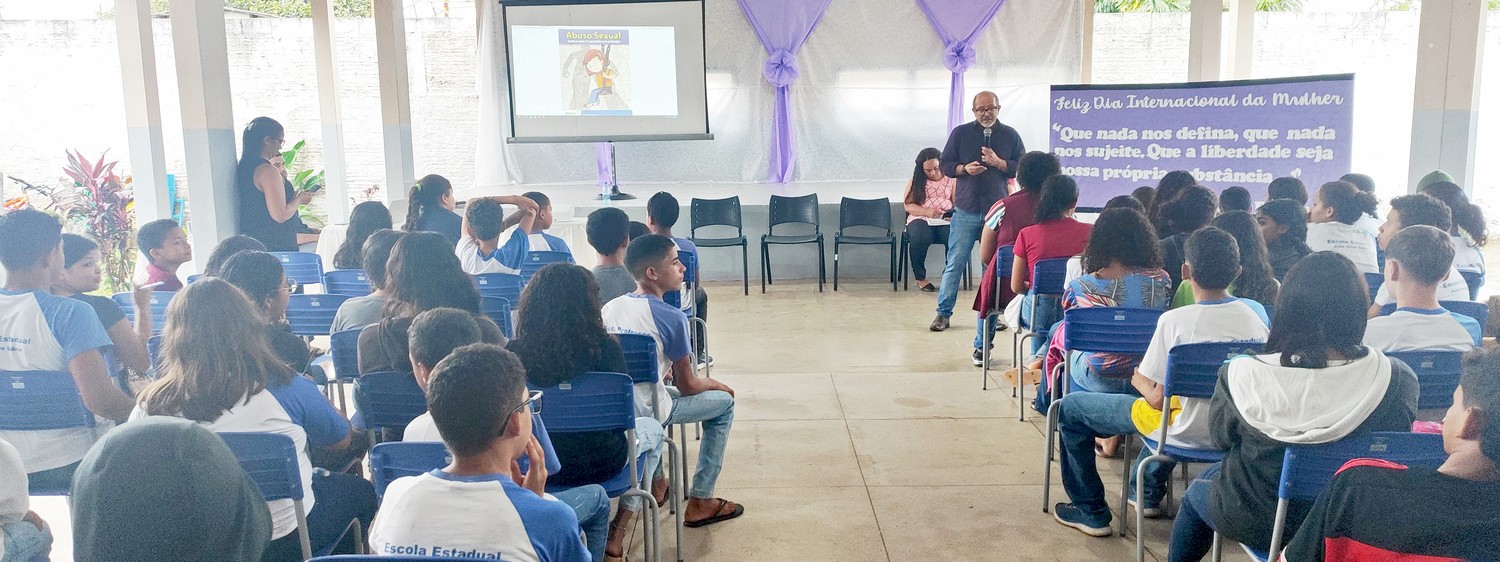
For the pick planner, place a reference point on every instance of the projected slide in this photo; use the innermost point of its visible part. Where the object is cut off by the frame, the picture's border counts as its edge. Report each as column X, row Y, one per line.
column 595, row 71
column 1112, row 139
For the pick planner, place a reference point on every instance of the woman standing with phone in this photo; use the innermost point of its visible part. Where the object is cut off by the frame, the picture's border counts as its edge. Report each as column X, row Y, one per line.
column 268, row 204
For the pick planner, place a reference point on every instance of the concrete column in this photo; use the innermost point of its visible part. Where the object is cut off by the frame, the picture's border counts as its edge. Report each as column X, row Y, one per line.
column 335, row 168
column 1205, row 39
column 1445, row 112
column 148, row 161
column 1241, row 39
column 395, row 97
column 1086, row 61
column 208, row 129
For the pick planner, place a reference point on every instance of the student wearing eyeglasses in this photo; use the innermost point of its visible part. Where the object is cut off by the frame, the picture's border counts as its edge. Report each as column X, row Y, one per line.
column 481, row 505
column 261, row 277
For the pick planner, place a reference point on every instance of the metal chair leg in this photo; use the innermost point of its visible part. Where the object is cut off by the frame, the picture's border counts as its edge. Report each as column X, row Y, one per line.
column 764, row 266
column 821, row 270
column 745, row 266
column 835, row 264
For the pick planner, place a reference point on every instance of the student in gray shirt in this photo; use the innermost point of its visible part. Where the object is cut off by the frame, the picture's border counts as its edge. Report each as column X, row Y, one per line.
column 359, row 312
column 609, row 233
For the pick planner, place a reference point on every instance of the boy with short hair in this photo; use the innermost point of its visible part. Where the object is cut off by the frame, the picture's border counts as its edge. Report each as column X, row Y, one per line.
column 40, row 331
column 479, row 506
column 536, row 233
column 1287, row 188
column 479, row 250
column 433, row 336
column 1235, row 198
column 662, row 212
column 1380, row 510
column 166, row 248
column 1417, row 259
column 609, row 233
column 652, row 260
column 1417, row 209
column 1212, row 264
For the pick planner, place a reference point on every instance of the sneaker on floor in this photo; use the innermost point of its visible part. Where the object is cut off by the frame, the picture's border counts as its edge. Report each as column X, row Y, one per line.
column 1069, row 515
column 705, row 361
column 1151, row 511
column 978, row 358
column 939, row 324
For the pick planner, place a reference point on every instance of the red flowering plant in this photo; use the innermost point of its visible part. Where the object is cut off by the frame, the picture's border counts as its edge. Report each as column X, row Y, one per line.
column 97, row 203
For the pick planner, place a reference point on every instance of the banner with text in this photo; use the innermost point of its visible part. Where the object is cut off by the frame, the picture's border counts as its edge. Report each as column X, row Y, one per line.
column 1115, row 138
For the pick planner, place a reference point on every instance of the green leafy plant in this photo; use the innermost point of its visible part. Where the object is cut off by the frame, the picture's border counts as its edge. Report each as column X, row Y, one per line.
column 95, row 201
column 305, row 180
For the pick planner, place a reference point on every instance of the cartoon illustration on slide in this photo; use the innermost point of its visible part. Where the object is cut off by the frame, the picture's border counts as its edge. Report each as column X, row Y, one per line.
column 595, row 69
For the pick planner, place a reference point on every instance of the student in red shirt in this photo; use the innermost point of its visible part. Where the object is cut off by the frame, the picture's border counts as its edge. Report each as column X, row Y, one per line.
column 166, row 248
column 1056, row 234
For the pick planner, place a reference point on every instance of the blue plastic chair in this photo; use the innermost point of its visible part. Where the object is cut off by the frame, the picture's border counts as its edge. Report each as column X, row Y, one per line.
column 1438, row 373
column 642, row 366
column 1475, row 280
column 502, row 285
column 498, row 309
column 1479, row 311
column 389, row 400
column 1048, row 279
column 41, row 400
column 1192, row 372
column 1307, row 470
column 159, row 302
column 312, row 315
column 194, row 278
column 271, row 461
column 1100, row 329
column 389, row 461
column 347, row 282
column 1374, row 281
column 343, row 352
column 594, row 402
column 1270, row 314
column 305, row 268
column 535, row 261
column 1004, row 259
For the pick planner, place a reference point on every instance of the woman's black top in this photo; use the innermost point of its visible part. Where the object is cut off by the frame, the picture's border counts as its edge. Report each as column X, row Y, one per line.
column 589, row 457
column 255, row 218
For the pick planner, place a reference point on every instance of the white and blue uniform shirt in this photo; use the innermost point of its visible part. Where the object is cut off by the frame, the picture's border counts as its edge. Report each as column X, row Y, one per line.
column 1413, row 329
column 1347, row 240
column 485, row 517
column 543, row 242
column 505, row 259
column 40, row 331
column 634, row 313
column 1454, row 288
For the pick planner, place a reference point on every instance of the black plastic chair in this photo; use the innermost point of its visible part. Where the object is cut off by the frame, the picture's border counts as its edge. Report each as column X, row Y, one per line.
column 866, row 214
column 721, row 212
column 903, row 260
column 791, row 210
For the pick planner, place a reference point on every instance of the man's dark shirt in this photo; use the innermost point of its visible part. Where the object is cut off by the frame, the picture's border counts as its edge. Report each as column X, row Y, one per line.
column 976, row 194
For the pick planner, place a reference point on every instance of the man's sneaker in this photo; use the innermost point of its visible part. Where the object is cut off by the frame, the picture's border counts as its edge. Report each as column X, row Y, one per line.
column 1151, row 511
column 705, row 361
column 1069, row 515
column 978, row 358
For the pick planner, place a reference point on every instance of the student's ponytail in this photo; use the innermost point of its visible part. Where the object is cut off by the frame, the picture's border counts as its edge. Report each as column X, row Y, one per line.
column 1467, row 216
column 1348, row 202
column 428, row 192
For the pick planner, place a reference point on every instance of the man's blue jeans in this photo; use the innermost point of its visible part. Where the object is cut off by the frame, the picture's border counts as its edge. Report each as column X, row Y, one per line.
column 715, row 408
column 963, row 232
column 1192, row 531
column 1082, row 416
column 591, row 504
column 649, row 439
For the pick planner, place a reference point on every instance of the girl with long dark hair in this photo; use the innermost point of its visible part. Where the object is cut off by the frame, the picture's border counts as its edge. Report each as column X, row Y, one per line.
column 1283, row 225
column 1256, row 280
column 1191, row 210
column 430, row 209
column 561, row 335
column 1056, row 234
column 928, row 199
column 1002, row 224
column 1336, row 208
column 1316, row 383
column 260, row 276
column 267, row 203
column 217, row 368
column 364, row 220
column 1470, row 232
column 422, row 273
column 1168, row 188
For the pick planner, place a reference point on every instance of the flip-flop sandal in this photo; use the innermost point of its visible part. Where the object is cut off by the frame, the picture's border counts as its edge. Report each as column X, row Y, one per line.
column 719, row 515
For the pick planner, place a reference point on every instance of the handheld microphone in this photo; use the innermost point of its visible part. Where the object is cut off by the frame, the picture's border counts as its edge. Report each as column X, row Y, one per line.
column 986, row 136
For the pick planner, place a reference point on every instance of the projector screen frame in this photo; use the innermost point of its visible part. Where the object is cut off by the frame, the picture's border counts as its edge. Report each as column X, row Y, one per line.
column 510, row 85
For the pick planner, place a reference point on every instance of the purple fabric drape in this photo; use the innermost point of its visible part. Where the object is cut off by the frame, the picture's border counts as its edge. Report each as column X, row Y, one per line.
column 782, row 26
column 606, row 164
column 958, row 24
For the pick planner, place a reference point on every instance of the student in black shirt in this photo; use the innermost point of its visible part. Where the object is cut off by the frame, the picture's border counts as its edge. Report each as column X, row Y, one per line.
column 1377, row 510
column 82, row 275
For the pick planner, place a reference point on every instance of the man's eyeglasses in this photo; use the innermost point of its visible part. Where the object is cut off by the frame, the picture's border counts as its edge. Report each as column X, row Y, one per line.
column 533, row 399
column 987, row 109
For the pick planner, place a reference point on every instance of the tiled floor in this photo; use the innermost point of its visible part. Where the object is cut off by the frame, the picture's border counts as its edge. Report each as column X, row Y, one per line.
column 861, row 435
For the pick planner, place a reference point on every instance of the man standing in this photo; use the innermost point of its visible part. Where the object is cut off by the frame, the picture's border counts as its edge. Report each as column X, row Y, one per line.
column 982, row 155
